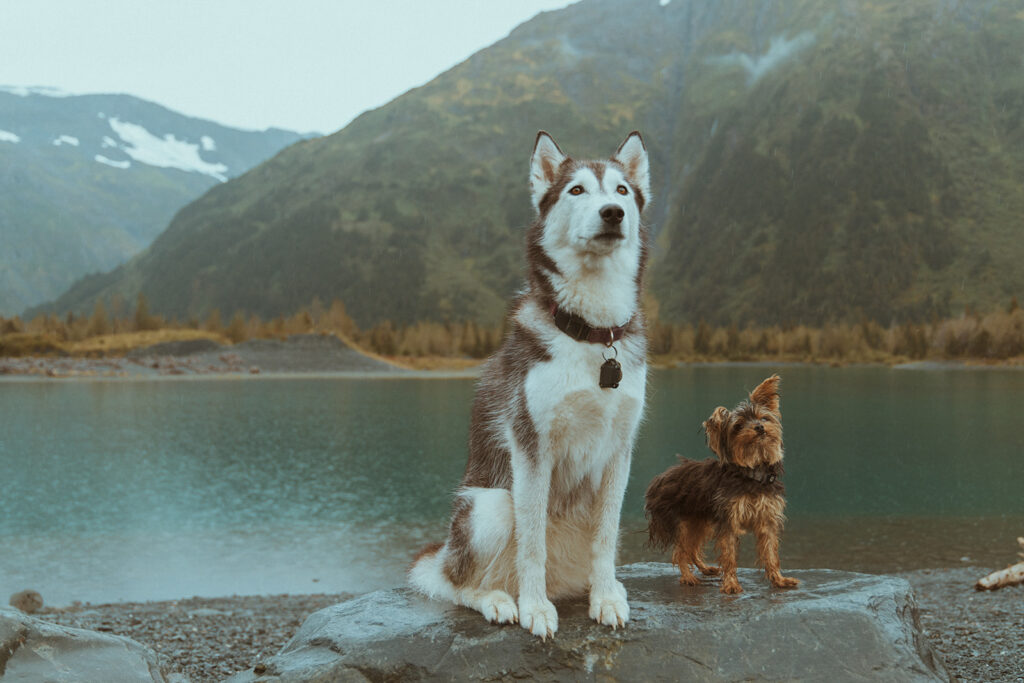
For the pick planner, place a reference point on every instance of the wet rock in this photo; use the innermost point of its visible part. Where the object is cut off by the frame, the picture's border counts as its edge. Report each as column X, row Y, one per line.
column 35, row 650
column 28, row 601
column 836, row 625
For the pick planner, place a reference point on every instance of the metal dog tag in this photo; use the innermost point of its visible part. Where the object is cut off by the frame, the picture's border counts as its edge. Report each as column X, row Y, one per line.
column 611, row 374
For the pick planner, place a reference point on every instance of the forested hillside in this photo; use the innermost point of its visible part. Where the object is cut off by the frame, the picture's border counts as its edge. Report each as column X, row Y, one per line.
column 813, row 161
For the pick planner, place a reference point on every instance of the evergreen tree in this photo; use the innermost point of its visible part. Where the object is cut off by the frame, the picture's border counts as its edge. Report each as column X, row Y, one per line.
column 213, row 322
column 237, row 330
column 99, row 323
column 143, row 320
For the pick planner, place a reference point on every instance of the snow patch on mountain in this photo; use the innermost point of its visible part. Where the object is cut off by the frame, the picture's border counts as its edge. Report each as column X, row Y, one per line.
column 208, row 144
column 108, row 142
column 25, row 91
column 66, row 140
column 8, row 136
column 110, row 162
column 165, row 152
column 780, row 49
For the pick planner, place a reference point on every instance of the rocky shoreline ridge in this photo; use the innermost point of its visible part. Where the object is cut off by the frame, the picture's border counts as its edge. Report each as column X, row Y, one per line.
column 297, row 355
column 931, row 618
column 319, row 354
column 301, row 353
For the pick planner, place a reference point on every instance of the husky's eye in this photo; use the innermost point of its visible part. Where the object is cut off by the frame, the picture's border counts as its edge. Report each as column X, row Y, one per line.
column 576, row 189
column 621, row 189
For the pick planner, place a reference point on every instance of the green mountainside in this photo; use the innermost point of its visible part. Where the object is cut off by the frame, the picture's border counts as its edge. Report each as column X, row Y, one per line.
column 813, row 160
column 877, row 175
column 88, row 181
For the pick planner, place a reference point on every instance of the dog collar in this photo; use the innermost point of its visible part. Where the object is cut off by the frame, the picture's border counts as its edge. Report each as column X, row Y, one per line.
column 762, row 474
column 578, row 328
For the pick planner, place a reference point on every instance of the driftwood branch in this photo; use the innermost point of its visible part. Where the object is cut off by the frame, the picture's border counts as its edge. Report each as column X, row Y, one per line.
column 1011, row 576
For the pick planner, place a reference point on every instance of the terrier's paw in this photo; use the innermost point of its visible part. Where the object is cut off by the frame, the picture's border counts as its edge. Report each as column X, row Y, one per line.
column 609, row 606
column 731, row 587
column 538, row 617
column 710, row 570
column 499, row 608
column 689, row 580
column 785, row 582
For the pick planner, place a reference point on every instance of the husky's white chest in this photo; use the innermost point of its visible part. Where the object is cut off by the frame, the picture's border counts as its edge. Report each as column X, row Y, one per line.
column 579, row 424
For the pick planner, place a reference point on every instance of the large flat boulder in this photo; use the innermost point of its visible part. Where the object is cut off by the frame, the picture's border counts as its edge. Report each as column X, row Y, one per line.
column 36, row 651
column 836, row 626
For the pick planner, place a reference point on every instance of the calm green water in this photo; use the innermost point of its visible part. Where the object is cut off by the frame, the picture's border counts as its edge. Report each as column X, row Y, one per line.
column 137, row 490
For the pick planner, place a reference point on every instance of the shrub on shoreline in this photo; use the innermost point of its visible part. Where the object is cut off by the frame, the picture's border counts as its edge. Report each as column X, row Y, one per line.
column 996, row 337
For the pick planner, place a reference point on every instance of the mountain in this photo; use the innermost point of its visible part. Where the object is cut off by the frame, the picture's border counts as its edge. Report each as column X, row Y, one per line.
column 88, row 181
column 813, row 160
column 866, row 163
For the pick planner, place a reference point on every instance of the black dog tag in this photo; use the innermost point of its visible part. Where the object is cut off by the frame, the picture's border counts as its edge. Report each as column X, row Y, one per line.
column 611, row 374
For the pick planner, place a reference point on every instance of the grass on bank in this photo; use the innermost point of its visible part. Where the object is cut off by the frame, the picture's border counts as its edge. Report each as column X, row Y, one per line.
column 120, row 343
column 995, row 337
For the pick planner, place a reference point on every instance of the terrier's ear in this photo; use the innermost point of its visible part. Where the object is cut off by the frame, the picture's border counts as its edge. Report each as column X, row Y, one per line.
column 632, row 154
column 716, row 428
column 767, row 394
column 547, row 157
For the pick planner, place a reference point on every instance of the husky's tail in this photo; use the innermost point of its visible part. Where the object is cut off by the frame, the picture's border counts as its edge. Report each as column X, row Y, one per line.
column 481, row 530
column 426, row 573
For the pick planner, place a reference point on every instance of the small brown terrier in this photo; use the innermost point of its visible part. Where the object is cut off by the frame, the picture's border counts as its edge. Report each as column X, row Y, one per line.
column 738, row 492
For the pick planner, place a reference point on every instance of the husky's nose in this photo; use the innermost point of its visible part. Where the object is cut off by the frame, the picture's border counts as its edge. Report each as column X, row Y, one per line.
column 612, row 214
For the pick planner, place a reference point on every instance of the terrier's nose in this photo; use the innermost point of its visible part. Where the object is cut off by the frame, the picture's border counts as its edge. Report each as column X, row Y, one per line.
column 759, row 428
column 612, row 213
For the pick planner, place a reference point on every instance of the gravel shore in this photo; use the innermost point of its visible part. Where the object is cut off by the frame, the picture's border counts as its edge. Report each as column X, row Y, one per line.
column 208, row 639
column 978, row 633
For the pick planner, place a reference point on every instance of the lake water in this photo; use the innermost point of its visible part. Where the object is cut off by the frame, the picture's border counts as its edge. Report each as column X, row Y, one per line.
column 140, row 490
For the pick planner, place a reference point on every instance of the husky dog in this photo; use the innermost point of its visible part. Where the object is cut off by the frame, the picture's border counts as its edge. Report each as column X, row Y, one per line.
column 556, row 411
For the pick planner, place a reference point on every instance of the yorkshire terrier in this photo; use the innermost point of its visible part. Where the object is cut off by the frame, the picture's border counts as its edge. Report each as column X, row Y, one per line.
column 738, row 492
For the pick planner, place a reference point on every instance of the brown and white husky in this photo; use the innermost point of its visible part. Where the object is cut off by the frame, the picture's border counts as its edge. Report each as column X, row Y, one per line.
column 536, row 517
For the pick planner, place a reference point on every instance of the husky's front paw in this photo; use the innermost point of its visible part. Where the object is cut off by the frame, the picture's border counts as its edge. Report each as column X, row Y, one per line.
column 609, row 606
column 499, row 608
column 538, row 617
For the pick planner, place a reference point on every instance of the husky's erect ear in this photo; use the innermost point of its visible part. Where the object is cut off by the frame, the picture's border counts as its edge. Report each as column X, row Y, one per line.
column 547, row 157
column 767, row 394
column 632, row 154
column 716, row 428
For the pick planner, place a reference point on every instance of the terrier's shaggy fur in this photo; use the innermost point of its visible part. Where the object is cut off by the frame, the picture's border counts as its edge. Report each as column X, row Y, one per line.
column 740, row 491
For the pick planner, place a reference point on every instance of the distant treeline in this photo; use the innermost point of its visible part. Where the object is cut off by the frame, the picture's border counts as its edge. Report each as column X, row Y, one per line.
column 47, row 334
column 997, row 336
column 994, row 336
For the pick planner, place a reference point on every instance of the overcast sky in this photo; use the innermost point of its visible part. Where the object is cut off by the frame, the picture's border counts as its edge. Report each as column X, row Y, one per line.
column 305, row 65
